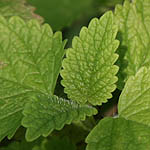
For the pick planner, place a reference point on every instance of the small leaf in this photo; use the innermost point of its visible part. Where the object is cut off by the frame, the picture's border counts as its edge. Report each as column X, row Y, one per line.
column 88, row 70
column 9, row 8
column 43, row 115
column 134, row 102
column 133, row 20
column 119, row 134
column 30, row 61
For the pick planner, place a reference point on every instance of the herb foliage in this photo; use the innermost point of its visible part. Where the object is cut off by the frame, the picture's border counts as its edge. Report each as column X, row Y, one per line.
column 111, row 53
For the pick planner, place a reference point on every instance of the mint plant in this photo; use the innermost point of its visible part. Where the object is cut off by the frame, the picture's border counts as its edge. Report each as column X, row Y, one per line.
column 111, row 53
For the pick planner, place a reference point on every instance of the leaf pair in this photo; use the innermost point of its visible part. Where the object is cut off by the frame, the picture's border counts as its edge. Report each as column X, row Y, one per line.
column 132, row 129
column 30, row 58
column 30, row 61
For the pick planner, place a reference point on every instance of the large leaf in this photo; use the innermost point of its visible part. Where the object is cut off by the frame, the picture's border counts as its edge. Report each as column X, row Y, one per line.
column 88, row 70
column 9, row 8
column 133, row 20
column 119, row 134
column 134, row 102
column 30, row 61
column 43, row 115
column 61, row 13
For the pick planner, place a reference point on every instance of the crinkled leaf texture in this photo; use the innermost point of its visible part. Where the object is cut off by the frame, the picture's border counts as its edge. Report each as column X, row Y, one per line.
column 134, row 102
column 43, row 115
column 119, row 134
column 9, row 8
column 133, row 20
column 88, row 69
column 30, row 61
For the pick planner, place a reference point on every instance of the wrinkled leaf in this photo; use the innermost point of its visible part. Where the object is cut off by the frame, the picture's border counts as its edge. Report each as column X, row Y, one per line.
column 118, row 134
column 88, row 69
column 30, row 61
column 43, row 115
column 134, row 102
column 133, row 20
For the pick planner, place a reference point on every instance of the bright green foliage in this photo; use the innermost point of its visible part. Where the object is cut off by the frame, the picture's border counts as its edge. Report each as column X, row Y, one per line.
column 133, row 20
column 61, row 13
column 30, row 61
column 134, row 102
column 88, row 70
column 43, row 115
column 119, row 134
column 9, row 8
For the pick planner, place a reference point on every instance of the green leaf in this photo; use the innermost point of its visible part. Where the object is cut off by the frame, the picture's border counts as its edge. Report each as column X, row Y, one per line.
column 133, row 20
column 134, row 102
column 88, row 70
column 9, row 8
column 43, row 115
column 30, row 61
column 61, row 13
column 119, row 134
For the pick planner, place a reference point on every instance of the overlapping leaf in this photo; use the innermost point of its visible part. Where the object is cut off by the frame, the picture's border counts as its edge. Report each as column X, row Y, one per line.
column 88, row 70
column 134, row 102
column 30, row 61
column 119, row 134
column 133, row 20
column 43, row 115
column 9, row 8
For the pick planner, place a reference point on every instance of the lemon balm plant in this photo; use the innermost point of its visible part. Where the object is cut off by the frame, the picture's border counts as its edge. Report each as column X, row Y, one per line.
column 112, row 52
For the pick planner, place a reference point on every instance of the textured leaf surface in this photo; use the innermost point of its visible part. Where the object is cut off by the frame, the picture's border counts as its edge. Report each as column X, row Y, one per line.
column 43, row 115
column 133, row 20
column 9, row 8
column 134, row 102
column 88, row 70
column 61, row 13
column 119, row 134
column 30, row 60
